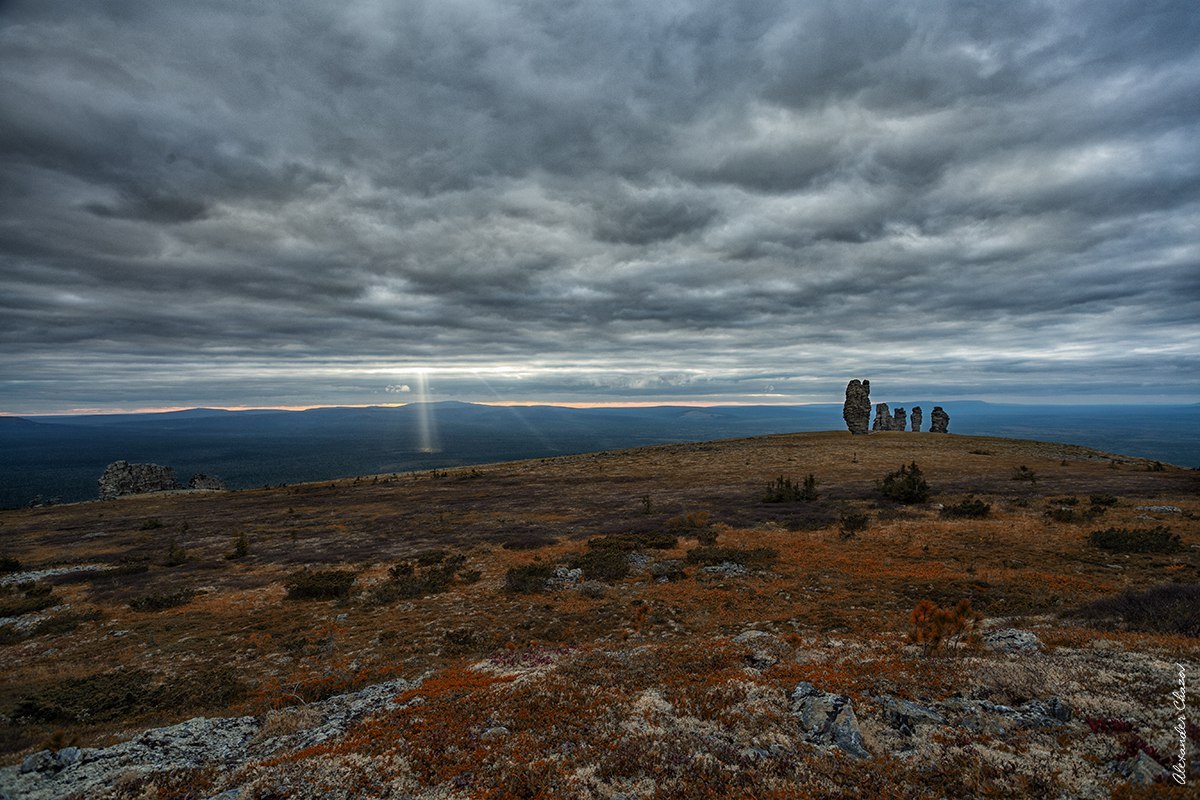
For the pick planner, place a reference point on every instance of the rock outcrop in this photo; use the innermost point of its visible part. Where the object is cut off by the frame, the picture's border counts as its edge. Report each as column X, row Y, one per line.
column 939, row 420
column 899, row 420
column 857, row 409
column 828, row 719
column 202, row 481
column 883, row 418
column 121, row 477
column 916, row 416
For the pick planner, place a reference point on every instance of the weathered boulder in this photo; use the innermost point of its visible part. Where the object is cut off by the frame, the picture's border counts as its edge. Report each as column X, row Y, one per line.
column 916, row 417
column 905, row 715
column 766, row 649
column 939, row 420
column 899, row 420
column 883, row 418
column 1011, row 640
column 857, row 409
column 121, row 477
column 202, row 481
column 828, row 718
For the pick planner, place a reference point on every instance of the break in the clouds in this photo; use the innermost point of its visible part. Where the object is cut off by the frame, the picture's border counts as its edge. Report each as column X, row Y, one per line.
column 303, row 202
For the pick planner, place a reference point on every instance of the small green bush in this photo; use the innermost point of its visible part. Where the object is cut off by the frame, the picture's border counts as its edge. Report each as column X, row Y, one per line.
column 175, row 556
column 1024, row 473
column 1068, row 515
column 162, row 600
column 26, row 598
column 757, row 557
column 853, row 523
column 1158, row 539
column 241, row 548
column 906, row 485
column 630, row 542
column 1103, row 500
column 967, row 509
column 603, row 564
column 528, row 579
column 327, row 584
column 784, row 490
column 152, row 523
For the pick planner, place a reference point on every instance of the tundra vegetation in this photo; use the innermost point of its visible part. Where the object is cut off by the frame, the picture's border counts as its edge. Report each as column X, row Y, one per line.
column 645, row 623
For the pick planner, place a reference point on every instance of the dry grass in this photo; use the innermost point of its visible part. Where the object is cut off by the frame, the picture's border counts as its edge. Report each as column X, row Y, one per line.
column 820, row 588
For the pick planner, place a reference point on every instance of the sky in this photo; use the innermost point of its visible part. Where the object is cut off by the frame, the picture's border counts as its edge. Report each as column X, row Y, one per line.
column 307, row 203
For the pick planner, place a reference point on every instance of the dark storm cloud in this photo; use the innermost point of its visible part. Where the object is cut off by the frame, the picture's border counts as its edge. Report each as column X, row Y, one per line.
column 226, row 203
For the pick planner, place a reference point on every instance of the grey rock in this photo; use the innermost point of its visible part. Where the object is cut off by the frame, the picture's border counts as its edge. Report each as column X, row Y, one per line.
column 564, row 578
column 1045, row 713
column 209, row 482
column 670, row 569
column 857, row 409
column 593, row 589
column 828, row 719
column 1142, row 769
column 766, row 649
column 729, row 568
column 939, row 420
column 68, row 756
column 899, row 420
column 904, row 715
column 915, row 417
column 121, row 478
column 1011, row 640
column 1160, row 509
column 883, row 418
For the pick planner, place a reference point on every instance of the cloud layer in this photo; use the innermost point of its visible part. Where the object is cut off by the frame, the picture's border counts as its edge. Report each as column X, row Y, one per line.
column 300, row 202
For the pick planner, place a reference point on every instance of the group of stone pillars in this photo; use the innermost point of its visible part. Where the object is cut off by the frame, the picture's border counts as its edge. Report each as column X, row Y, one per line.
column 857, row 413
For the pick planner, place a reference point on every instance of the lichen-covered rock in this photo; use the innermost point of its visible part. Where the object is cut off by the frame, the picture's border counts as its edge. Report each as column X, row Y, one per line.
column 939, row 420
column 905, row 715
column 857, row 409
column 883, row 418
column 121, row 477
column 916, row 417
column 899, row 420
column 1011, row 640
column 210, row 482
column 828, row 719
column 766, row 649
column 1143, row 769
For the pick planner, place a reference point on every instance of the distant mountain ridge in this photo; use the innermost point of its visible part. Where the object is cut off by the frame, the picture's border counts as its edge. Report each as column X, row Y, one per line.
column 62, row 456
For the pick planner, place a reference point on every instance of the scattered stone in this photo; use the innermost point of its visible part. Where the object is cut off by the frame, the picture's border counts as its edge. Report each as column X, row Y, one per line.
column 857, row 409
column 916, row 416
column 883, row 418
column 1161, row 509
column 564, row 578
column 939, row 420
column 828, row 719
column 904, row 715
column 206, row 482
column 728, row 568
column 766, row 649
column 121, row 478
column 1143, row 769
column 1012, row 640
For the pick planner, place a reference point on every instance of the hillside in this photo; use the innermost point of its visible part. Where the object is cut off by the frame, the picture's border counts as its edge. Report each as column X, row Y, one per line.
column 635, row 624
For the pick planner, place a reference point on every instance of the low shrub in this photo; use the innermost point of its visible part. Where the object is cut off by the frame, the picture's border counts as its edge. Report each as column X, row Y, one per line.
column 1063, row 501
column 26, row 598
column 1024, row 473
column 528, row 579
column 162, row 600
column 241, row 548
column 64, row 623
column 153, row 523
column 431, row 557
column 967, row 509
column 690, row 521
column 906, row 485
column 1103, row 500
column 670, row 570
column 756, row 557
column 784, row 490
column 603, row 564
column 470, row 575
column 1158, row 539
column 329, row 584
column 407, row 581
column 853, row 523
column 95, row 698
column 934, row 626
column 1069, row 515
column 9, row 564
column 1170, row 608
column 630, row 542
column 176, row 555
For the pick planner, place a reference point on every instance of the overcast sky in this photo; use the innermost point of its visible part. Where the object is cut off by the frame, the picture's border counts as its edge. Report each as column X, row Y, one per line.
column 311, row 203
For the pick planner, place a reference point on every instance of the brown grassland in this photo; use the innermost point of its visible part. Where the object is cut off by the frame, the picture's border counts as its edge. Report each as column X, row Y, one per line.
column 627, row 686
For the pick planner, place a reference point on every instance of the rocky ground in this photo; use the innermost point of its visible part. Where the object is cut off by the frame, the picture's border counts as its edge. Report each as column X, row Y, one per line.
column 642, row 624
